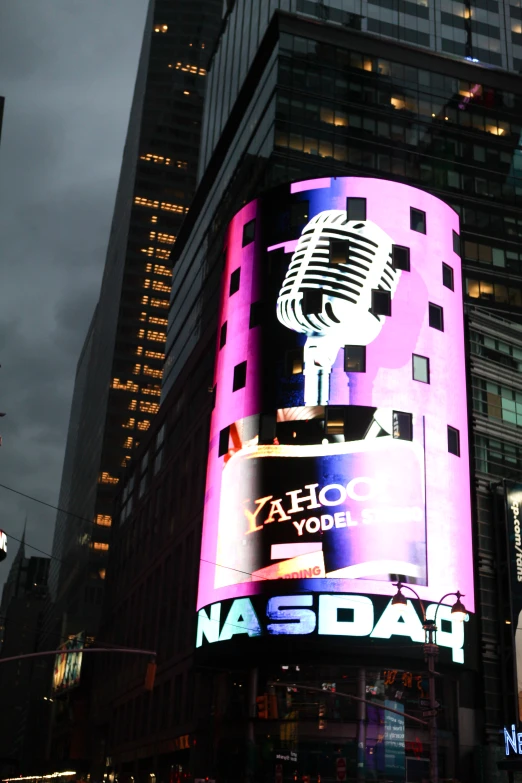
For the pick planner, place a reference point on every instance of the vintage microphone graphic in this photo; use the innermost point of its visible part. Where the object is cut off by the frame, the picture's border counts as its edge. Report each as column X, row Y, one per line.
column 340, row 313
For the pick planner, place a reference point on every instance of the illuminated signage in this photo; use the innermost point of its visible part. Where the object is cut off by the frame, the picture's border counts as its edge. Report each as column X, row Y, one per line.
column 68, row 665
column 337, row 614
column 182, row 743
column 3, row 545
column 338, row 453
column 394, row 740
column 513, row 495
column 513, row 741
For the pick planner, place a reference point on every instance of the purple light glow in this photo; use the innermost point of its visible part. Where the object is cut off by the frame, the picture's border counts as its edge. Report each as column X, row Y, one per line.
column 422, row 513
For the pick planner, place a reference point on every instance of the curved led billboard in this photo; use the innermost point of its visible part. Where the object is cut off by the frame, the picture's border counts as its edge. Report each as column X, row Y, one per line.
column 338, row 456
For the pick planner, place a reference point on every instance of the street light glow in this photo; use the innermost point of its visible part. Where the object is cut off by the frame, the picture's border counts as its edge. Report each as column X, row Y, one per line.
column 458, row 610
column 399, row 601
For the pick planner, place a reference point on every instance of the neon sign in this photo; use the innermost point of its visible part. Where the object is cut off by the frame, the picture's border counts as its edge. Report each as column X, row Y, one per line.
column 325, row 615
column 513, row 741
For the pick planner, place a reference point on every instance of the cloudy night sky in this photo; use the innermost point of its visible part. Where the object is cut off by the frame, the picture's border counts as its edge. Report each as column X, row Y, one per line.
column 67, row 70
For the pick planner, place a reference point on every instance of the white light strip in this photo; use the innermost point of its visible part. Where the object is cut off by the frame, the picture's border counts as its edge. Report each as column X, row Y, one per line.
column 375, row 568
column 39, row 777
column 285, row 551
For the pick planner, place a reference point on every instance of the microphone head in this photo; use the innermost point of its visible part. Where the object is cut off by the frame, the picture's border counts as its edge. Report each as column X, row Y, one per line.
column 340, row 294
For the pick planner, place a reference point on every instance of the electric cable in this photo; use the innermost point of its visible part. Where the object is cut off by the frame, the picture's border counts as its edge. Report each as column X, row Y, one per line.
column 84, row 519
column 43, row 503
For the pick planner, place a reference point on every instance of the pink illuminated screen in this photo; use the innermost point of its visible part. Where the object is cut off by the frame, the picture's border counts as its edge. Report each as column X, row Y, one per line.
column 338, row 455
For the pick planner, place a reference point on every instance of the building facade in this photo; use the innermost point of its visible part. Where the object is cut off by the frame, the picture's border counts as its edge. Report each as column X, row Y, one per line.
column 118, row 379
column 307, row 95
column 485, row 31
column 22, row 707
column 119, row 372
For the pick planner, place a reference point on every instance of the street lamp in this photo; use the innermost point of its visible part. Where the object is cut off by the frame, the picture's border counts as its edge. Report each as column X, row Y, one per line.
column 431, row 652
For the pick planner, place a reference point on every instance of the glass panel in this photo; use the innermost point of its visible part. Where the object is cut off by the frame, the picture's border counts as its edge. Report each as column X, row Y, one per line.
column 310, row 146
column 494, row 406
column 327, row 115
column 471, row 250
column 420, row 369
column 486, row 290
column 515, row 297
column 472, row 288
column 485, row 254
column 500, row 293
column 498, row 257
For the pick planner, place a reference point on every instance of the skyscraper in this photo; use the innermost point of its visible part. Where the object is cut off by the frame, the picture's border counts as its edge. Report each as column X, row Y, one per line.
column 298, row 92
column 23, row 601
column 118, row 378
column 119, row 372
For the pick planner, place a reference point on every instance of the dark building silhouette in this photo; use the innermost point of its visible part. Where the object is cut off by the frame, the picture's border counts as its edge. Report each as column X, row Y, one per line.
column 22, row 705
column 118, row 378
column 299, row 91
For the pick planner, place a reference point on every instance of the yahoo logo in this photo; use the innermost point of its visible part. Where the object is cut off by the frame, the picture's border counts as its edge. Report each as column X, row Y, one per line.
column 360, row 489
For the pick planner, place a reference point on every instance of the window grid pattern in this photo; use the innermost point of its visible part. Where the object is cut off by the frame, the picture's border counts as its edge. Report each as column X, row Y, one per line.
column 445, row 26
column 497, row 401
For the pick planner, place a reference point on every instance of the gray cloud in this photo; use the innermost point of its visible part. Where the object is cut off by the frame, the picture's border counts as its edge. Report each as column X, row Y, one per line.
column 67, row 71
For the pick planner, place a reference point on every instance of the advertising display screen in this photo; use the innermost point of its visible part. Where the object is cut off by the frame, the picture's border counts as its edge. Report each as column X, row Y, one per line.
column 338, row 456
column 67, row 666
column 513, row 494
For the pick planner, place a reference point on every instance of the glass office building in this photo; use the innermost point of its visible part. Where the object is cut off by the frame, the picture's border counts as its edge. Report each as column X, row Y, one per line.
column 119, row 372
column 118, row 379
column 484, row 31
column 426, row 95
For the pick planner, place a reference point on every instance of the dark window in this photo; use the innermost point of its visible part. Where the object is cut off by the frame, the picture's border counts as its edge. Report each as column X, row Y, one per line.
column 249, row 232
column 312, row 303
column 223, row 441
column 402, row 425
column 267, row 428
column 339, row 251
column 355, row 358
column 436, row 317
column 223, row 335
column 401, row 257
column 421, row 368
column 256, row 314
column 299, row 214
column 356, row 208
column 456, row 243
column 447, row 276
column 453, row 441
column 294, row 362
column 417, row 220
column 381, row 302
column 234, row 281
column 358, row 420
column 239, row 376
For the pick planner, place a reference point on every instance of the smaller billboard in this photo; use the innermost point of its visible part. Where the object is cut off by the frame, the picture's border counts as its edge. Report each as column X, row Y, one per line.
column 394, row 741
column 68, row 664
column 513, row 494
